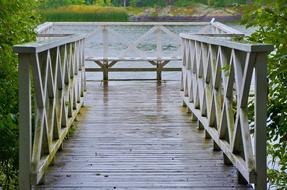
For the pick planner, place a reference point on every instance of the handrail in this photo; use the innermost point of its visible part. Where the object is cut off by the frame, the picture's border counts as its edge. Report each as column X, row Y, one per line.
column 229, row 43
column 225, row 28
column 44, row 28
column 56, row 71
column 128, row 23
column 53, row 35
column 40, row 46
column 216, row 78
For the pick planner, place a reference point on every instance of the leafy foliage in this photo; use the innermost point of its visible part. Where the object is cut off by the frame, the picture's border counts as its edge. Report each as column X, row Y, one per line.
column 90, row 2
column 59, row 3
column 17, row 22
column 270, row 19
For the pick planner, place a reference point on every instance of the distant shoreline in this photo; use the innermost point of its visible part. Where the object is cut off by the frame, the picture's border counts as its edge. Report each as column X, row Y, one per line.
column 184, row 18
column 83, row 13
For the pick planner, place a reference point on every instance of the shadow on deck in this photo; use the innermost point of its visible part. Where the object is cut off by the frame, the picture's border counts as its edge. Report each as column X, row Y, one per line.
column 137, row 135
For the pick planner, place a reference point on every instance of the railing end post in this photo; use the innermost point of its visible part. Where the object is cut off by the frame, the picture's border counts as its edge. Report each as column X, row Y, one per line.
column 25, row 129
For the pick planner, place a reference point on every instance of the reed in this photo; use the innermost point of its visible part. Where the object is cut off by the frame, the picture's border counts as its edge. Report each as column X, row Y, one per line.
column 84, row 13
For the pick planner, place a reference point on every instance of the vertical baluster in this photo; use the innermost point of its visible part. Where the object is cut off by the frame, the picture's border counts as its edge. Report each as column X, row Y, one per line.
column 159, row 53
column 158, row 43
column 83, row 64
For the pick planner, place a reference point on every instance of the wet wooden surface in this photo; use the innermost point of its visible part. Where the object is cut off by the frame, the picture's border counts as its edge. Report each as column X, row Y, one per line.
column 136, row 135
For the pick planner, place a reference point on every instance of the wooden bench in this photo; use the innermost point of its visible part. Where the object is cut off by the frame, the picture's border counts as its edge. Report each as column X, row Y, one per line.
column 106, row 65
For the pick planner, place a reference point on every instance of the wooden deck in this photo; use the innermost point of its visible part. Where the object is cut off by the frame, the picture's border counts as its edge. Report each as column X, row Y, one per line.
column 137, row 135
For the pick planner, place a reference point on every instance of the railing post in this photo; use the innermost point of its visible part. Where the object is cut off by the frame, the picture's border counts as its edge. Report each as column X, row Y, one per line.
column 83, row 68
column 159, row 53
column 105, row 41
column 260, row 121
column 105, row 53
column 25, row 133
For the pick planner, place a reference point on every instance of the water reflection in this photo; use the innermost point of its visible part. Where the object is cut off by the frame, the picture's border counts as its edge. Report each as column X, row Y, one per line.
column 159, row 86
column 105, row 85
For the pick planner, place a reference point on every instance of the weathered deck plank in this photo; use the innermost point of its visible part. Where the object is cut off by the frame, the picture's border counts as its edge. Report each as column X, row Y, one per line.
column 136, row 135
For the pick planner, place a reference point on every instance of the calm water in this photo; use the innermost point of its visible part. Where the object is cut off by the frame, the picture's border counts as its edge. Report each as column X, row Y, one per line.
column 120, row 36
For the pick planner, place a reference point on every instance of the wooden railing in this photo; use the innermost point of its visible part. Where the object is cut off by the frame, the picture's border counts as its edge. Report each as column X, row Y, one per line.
column 52, row 84
column 149, row 42
column 221, row 82
column 51, row 91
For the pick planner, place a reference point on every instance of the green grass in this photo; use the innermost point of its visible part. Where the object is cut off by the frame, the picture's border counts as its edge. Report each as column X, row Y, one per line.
column 81, row 13
column 135, row 11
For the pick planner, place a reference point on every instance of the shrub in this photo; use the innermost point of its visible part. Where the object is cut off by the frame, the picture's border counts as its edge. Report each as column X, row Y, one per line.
column 18, row 21
column 270, row 19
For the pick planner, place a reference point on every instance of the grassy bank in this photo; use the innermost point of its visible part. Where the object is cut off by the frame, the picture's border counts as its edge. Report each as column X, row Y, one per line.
column 84, row 13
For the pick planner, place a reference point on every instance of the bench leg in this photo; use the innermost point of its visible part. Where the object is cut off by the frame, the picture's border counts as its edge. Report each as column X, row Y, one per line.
column 158, row 75
column 105, row 74
column 158, row 72
column 105, row 68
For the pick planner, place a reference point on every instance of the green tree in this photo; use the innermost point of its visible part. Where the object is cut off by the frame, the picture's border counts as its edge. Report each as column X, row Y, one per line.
column 270, row 19
column 133, row 3
column 122, row 3
column 90, row 2
column 17, row 21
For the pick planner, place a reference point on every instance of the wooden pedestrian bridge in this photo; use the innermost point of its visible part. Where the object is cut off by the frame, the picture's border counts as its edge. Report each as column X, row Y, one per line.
column 80, row 128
